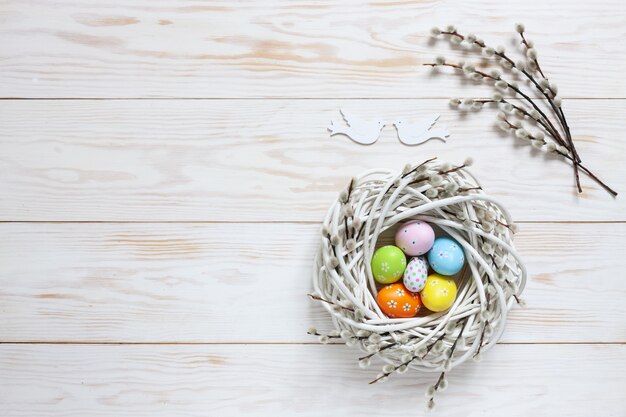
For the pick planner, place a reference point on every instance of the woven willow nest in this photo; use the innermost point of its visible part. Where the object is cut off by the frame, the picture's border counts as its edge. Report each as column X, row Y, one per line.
column 451, row 200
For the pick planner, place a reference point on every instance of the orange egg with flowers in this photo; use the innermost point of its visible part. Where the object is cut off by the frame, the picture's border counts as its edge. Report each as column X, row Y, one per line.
column 397, row 302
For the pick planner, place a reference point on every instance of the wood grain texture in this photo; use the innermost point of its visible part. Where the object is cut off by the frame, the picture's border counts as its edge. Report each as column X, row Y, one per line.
column 290, row 49
column 208, row 283
column 255, row 160
column 314, row 380
column 134, row 229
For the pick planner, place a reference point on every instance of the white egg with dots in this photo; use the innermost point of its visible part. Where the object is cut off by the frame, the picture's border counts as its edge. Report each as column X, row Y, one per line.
column 415, row 274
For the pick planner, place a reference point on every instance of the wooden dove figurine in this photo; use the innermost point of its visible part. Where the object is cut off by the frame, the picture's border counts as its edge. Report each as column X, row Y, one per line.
column 361, row 131
column 416, row 133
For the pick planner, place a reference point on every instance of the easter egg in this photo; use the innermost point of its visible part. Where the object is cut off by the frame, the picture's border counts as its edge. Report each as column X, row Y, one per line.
column 446, row 256
column 388, row 264
column 415, row 237
column 439, row 293
column 396, row 301
column 415, row 274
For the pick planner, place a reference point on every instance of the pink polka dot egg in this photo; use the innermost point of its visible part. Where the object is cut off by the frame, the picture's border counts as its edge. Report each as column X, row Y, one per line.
column 415, row 274
column 415, row 237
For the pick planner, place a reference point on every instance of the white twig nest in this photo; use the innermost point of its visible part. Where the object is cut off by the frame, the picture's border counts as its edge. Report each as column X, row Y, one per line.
column 445, row 196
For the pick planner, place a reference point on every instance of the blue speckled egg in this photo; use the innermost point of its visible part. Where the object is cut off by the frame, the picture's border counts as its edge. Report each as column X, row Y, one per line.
column 446, row 256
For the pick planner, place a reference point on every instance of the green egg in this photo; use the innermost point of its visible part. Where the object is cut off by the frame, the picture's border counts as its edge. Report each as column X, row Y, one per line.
column 388, row 264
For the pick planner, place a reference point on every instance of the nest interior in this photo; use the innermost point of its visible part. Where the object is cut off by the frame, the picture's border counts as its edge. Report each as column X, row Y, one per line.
column 452, row 200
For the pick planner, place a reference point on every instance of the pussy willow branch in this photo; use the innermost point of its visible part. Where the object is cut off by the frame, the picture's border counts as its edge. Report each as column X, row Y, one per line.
column 546, row 89
column 573, row 161
column 525, row 112
column 557, row 111
column 560, row 110
column 527, row 45
column 554, row 132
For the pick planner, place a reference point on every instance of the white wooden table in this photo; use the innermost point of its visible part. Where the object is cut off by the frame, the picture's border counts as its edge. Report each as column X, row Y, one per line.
column 164, row 166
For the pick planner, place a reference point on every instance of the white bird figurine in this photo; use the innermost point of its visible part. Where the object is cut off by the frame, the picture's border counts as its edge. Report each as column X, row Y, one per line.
column 361, row 131
column 416, row 133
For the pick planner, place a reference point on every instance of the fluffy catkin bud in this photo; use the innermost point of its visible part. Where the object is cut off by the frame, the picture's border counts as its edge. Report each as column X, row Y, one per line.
column 374, row 338
column 430, row 405
column 531, row 53
column 550, row 147
column 554, row 88
column 503, row 126
column 455, row 102
column 440, row 60
column 535, row 114
column 443, row 384
column 521, row 133
column 477, row 105
column 365, row 362
column 450, row 326
column 435, row 31
column 562, row 149
column 345, row 334
column 501, row 85
column 407, row 357
column 537, row 144
column 519, row 28
column 343, row 196
column 388, row 368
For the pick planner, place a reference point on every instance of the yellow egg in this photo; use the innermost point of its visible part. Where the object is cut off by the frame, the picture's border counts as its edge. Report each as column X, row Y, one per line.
column 439, row 293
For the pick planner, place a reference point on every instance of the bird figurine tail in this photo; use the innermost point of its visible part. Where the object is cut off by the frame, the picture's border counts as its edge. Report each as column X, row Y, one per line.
column 336, row 130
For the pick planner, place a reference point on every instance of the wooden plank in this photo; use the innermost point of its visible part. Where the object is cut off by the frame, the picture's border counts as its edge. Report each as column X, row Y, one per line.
column 277, row 49
column 300, row 380
column 256, row 160
column 215, row 282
